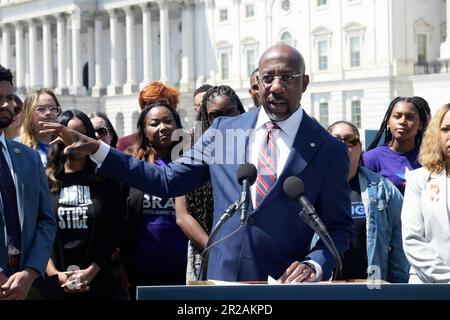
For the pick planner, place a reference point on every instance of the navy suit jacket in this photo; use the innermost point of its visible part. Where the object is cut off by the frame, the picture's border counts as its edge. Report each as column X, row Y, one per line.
column 274, row 236
column 35, row 212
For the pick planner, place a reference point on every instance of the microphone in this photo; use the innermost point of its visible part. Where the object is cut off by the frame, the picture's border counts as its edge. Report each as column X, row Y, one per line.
column 246, row 176
column 295, row 189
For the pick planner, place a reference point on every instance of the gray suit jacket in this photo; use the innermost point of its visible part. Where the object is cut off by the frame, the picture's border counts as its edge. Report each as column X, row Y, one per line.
column 426, row 227
column 36, row 217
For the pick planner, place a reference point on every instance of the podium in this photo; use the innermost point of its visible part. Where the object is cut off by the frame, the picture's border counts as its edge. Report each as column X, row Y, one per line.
column 316, row 291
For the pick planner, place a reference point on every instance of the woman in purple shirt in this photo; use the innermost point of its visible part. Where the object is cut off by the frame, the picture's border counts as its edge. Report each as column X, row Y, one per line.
column 403, row 125
column 155, row 249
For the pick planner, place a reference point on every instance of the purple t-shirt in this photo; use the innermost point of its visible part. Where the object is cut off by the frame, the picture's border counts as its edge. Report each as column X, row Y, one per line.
column 160, row 245
column 391, row 164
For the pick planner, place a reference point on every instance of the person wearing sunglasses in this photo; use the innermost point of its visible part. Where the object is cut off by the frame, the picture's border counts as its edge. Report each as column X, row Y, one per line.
column 13, row 131
column 39, row 106
column 104, row 129
column 376, row 247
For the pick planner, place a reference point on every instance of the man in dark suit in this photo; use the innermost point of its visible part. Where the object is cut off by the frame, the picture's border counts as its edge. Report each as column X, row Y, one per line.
column 27, row 224
column 281, row 140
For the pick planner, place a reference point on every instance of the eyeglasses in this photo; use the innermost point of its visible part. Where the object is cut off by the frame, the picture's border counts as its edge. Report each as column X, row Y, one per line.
column 102, row 131
column 268, row 79
column 44, row 109
column 349, row 141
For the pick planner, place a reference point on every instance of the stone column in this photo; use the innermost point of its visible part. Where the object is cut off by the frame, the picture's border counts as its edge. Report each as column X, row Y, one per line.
column 113, row 88
column 91, row 53
column 147, row 44
column 69, row 55
column 61, row 50
column 165, row 41
column 6, row 46
column 236, row 69
column 47, row 52
column 131, row 84
column 445, row 46
column 20, row 58
column 187, row 82
column 32, row 44
column 77, row 87
column 99, row 87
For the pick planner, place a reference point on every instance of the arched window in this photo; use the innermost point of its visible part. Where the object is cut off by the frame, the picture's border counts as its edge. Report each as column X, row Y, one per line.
column 286, row 38
column 134, row 119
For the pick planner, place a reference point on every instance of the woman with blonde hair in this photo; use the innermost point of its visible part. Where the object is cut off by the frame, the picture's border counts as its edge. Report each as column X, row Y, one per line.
column 425, row 213
column 40, row 105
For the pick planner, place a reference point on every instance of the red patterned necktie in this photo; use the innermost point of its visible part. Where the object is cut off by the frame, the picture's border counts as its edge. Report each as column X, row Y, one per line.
column 9, row 199
column 267, row 163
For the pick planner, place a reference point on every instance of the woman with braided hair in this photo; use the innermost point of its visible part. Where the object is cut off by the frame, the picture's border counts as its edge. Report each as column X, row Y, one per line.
column 195, row 210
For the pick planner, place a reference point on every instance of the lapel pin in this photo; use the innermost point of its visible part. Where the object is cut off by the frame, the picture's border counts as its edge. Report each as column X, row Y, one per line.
column 16, row 150
column 312, row 145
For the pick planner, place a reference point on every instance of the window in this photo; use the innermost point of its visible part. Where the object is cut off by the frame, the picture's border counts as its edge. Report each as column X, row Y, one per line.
column 249, row 11
column 286, row 38
column 355, row 52
column 421, row 49
column 285, row 5
column 356, row 113
column 323, row 114
column 251, row 65
column 223, row 15
column 224, row 65
column 322, row 3
column 323, row 54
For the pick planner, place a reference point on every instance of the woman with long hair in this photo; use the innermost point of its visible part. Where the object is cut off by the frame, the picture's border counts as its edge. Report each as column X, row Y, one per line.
column 104, row 130
column 41, row 105
column 155, row 252
column 402, row 127
column 425, row 212
column 195, row 210
column 88, row 210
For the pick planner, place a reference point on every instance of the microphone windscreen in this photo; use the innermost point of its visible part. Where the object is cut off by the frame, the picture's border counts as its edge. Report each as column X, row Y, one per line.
column 294, row 187
column 247, row 171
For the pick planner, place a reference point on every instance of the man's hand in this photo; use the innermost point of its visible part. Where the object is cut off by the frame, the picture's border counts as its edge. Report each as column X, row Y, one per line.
column 18, row 285
column 298, row 272
column 75, row 141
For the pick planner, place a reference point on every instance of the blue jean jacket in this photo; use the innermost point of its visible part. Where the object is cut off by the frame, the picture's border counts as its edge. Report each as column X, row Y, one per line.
column 383, row 204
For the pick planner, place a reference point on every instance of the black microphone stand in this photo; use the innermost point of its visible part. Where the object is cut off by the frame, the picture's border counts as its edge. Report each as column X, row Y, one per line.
column 205, row 254
column 322, row 232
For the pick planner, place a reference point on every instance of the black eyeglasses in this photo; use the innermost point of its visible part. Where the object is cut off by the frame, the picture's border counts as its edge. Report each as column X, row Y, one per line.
column 350, row 141
column 102, row 131
column 268, row 79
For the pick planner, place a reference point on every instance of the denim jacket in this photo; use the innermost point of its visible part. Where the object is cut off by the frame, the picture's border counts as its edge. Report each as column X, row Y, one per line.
column 383, row 204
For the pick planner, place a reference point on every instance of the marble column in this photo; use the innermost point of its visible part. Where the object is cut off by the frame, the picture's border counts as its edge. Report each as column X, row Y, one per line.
column 77, row 87
column 61, row 51
column 6, row 45
column 165, row 41
column 131, row 84
column 47, row 52
column 147, row 44
column 20, row 57
column 445, row 46
column 91, row 53
column 99, row 87
column 187, row 82
column 32, row 38
column 114, row 88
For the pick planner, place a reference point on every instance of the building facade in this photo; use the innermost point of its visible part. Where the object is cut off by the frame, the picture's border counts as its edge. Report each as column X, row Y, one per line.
column 97, row 54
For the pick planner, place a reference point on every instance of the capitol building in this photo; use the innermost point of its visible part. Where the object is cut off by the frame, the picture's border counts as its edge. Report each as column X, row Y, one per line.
column 97, row 54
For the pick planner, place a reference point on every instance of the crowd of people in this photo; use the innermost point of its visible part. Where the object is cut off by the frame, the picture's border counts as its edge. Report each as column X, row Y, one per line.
column 89, row 215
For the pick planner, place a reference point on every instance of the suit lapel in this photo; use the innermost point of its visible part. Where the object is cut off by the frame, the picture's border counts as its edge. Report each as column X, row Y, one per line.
column 305, row 145
column 19, row 176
